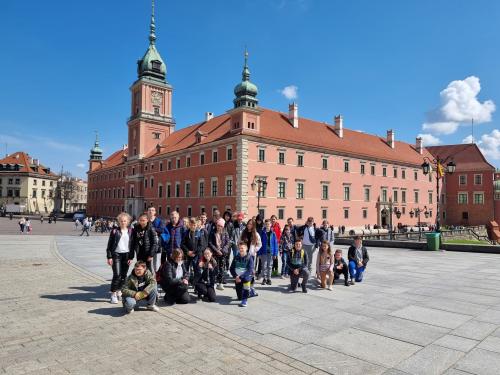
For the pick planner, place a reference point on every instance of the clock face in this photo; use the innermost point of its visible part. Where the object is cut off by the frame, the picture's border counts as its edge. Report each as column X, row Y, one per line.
column 156, row 98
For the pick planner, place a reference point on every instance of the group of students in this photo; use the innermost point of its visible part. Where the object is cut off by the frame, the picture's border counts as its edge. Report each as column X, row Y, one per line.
column 200, row 254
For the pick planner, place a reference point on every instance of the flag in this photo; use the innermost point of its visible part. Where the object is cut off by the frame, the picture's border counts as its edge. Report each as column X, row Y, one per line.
column 440, row 170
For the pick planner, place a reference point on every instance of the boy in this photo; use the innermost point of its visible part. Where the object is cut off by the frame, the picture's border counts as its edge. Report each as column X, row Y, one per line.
column 242, row 271
column 358, row 259
column 297, row 263
column 268, row 251
column 340, row 267
column 139, row 286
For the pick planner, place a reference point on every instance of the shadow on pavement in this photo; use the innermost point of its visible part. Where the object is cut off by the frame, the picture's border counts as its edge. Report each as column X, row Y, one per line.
column 115, row 312
column 94, row 294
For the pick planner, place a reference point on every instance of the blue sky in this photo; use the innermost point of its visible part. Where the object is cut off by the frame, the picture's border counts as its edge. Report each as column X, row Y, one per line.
column 67, row 67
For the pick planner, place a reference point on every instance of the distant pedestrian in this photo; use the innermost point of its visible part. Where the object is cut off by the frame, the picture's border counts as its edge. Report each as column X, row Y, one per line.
column 85, row 227
column 22, row 224
column 27, row 226
column 41, row 219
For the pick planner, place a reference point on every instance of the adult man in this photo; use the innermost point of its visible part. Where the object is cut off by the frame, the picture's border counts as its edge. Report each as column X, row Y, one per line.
column 176, row 231
column 239, row 227
column 326, row 234
column 85, row 227
column 308, row 232
column 358, row 259
column 212, row 225
column 157, row 225
column 140, row 286
column 293, row 228
column 204, row 224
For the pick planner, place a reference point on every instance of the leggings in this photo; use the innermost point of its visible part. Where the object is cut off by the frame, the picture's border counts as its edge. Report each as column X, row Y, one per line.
column 206, row 291
column 120, row 269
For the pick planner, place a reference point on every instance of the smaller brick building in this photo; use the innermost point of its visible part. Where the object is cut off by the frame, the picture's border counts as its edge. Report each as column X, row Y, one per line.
column 467, row 196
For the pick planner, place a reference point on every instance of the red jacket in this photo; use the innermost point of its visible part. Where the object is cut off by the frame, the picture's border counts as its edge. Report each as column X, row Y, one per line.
column 277, row 230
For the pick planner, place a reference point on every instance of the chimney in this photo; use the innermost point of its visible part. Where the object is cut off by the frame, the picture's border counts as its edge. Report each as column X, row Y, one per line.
column 390, row 138
column 339, row 125
column 293, row 114
column 124, row 147
column 209, row 116
column 419, row 145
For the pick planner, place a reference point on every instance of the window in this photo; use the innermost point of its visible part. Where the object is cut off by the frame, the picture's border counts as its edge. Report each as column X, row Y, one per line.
column 415, row 175
column 403, row 174
column 262, row 154
column 465, row 215
column 362, row 169
column 168, row 210
column 160, row 191
column 10, row 193
column 372, row 170
column 215, row 156
column 300, row 190
column 281, row 189
column 188, row 189
column 299, row 213
column 324, row 192
column 177, row 190
column 169, row 165
column 201, row 189
column 281, row 157
column 325, row 163
column 478, row 179
column 403, row 196
column 157, row 112
column 478, row 198
column 300, row 160
column 365, row 213
column 346, row 213
column 384, row 195
column 395, row 173
column 281, row 213
column 430, row 198
column 156, row 135
column 462, row 179
column 395, row 195
column 229, row 187
column 145, row 183
column 214, row 187
column 169, row 192
column 324, row 213
column 229, row 153
column 347, row 193
column 202, row 159
column 415, row 193
column 33, row 195
column 161, row 167
column 367, row 194
column 463, row 198
column 152, row 182
column 156, row 65
column 384, row 171
column 178, row 163
column 346, row 166
column 34, row 182
column 43, row 182
column 43, row 193
column 189, row 211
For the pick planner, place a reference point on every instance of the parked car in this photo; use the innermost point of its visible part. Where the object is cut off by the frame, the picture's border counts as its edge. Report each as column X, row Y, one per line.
column 79, row 216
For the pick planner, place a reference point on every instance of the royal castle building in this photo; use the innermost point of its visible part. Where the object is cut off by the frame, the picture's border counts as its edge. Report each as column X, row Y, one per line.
column 250, row 157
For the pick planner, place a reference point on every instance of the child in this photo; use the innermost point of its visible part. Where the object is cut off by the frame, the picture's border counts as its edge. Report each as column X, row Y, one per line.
column 174, row 279
column 324, row 265
column 140, row 286
column 340, row 267
column 297, row 263
column 242, row 271
column 219, row 243
column 286, row 245
column 205, row 276
column 268, row 251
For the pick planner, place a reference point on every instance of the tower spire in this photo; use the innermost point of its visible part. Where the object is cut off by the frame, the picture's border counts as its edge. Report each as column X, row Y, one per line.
column 245, row 91
column 152, row 27
column 246, row 71
column 96, row 151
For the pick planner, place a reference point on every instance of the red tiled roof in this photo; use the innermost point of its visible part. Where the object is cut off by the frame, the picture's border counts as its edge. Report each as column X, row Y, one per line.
column 116, row 158
column 467, row 157
column 26, row 164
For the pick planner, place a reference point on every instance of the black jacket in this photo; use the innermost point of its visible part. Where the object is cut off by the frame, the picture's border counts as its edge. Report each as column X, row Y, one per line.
column 300, row 232
column 114, row 238
column 205, row 275
column 191, row 243
column 338, row 263
column 297, row 260
column 168, row 279
column 144, row 241
column 351, row 254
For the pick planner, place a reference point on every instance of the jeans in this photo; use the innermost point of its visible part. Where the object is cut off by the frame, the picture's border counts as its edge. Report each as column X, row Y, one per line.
column 120, row 269
column 221, row 268
column 284, row 260
column 267, row 262
column 85, row 230
column 356, row 271
column 178, row 294
column 344, row 271
column 294, row 279
column 206, row 291
column 129, row 302
column 242, row 290
column 309, row 250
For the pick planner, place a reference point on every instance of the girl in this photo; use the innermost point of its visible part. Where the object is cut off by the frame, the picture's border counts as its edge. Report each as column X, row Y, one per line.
column 286, row 245
column 324, row 265
column 219, row 244
column 205, row 276
column 242, row 271
column 252, row 239
column 119, row 255
column 174, row 279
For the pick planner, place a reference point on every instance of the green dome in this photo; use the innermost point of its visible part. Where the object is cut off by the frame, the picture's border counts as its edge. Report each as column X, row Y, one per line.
column 152, row 64
column 245, row 88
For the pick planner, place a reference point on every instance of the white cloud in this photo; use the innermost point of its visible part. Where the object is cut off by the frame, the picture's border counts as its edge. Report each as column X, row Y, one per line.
column 468, row 139
column 429, row 140
column 290, row 92
column 459, row 105
column 81, row 165
column 489, row 144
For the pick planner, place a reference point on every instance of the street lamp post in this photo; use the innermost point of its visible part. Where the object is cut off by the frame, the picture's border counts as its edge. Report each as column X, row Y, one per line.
column 437, row 164
column 392, row 210
column 416, row 212
column 261, row 185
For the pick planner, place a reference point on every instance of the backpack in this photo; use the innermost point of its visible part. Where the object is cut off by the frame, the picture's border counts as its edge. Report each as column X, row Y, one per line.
column 301, row 255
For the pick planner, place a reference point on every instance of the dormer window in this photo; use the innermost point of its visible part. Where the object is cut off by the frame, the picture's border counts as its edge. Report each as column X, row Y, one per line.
column 156, row 65
column 157, row 110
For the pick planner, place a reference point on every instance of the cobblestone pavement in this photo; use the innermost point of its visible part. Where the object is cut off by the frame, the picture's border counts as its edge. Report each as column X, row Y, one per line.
column 62, row 227
column 416, row 313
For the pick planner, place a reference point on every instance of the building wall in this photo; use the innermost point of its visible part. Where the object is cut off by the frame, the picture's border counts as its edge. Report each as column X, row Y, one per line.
column 42, row 202
column 470, row 213
column 106, row 189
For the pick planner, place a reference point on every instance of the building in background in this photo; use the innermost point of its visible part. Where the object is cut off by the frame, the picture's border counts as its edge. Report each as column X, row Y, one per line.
column 71, row 194
column 254, row 159
column 26, row 186
column 468, row 195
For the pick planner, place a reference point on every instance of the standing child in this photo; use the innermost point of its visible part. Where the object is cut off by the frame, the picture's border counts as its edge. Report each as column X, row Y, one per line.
column 297, row 263
column 219, row 244
column 242, row 271
column 268, row 251
column 286, row 245
column 340, row 267
column 324, row 265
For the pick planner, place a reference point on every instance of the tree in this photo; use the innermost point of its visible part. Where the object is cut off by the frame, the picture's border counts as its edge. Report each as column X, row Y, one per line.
column 66, row 189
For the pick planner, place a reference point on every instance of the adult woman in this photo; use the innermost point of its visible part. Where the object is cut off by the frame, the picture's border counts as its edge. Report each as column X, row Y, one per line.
column 219, row 244
column 205, row 276
column 174, row 279
column 119, row 255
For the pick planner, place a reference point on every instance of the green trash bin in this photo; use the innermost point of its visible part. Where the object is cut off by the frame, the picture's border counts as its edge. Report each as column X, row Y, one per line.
column 432, row 241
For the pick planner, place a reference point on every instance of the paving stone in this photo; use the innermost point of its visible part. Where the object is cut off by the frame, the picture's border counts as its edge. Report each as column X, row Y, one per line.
column 456, row 342
column 431, row 360
column 453, row 371
column 303, row 333
column 480, row 361
column 370, row 347
column 490, row 343
column 432, row 316
column 475, row 330
column 489, row 316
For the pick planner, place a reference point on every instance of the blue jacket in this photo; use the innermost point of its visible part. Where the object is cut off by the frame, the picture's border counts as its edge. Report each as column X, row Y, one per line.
column 176, row 235
column 240, row 262
column 274, row 244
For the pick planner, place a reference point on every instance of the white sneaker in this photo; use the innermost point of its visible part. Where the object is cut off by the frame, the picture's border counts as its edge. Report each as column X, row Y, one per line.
column 329, row 287
column 114, row 299
column 220, row 287
column 153, row 308
column 119, row 296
